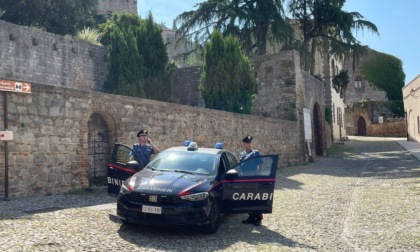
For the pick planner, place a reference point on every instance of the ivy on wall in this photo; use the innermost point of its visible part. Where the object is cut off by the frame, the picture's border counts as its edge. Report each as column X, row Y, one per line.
column 385, row 72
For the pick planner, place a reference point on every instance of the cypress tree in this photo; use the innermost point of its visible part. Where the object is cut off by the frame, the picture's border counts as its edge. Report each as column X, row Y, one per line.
column 153, row 49
column 138, row 61
column 227, row 82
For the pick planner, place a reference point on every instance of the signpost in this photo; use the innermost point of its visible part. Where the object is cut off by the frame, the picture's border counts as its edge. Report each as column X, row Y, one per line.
column 15, row 86
column 381, row 121
column 307, row 124
column 9, row 86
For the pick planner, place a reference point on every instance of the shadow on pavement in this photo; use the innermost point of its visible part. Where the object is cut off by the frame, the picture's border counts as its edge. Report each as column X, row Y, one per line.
column 370, row 157
column 26, row 207
column 191, row 238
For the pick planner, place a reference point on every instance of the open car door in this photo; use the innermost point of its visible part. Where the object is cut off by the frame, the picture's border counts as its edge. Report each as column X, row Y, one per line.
column 249, row 186
column 123, row 164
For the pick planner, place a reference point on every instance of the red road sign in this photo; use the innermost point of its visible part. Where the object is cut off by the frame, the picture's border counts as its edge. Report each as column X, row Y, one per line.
column 15, row 86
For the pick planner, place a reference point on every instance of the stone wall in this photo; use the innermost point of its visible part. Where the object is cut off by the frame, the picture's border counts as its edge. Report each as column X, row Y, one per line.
column 49, row 153
column 56, row 126
column 107, row 7
column 364, row 92
column 393, row 127
column 284, row 90
column 185, row 83
column 370, row 112
column 277, row 87
column 32, row 55
column 314, row 100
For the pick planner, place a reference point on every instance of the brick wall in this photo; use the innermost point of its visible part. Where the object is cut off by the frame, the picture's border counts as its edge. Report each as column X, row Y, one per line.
column 28, row 54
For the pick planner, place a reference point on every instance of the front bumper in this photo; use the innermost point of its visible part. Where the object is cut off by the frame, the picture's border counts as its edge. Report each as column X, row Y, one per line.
column 187, row 213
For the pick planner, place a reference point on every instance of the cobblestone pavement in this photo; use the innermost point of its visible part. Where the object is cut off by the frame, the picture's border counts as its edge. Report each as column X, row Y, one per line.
column 364, row 197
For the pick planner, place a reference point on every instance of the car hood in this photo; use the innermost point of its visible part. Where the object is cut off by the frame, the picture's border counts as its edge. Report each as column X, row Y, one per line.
column 165, row 182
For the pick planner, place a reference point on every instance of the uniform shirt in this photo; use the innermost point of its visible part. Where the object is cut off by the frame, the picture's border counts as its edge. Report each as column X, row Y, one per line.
column 245, row 155
column 249, row 168
column 143, row 152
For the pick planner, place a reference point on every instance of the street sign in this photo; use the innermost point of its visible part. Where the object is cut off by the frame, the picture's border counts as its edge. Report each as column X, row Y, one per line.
column 15, row 86
column 6, row 135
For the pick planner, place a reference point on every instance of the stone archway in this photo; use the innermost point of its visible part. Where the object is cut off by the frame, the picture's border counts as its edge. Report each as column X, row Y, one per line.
column 361, row 127
column 317, row 130
column 99, row 148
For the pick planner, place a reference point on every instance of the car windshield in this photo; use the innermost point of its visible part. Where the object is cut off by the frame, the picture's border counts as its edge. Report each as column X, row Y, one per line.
column 184, row 161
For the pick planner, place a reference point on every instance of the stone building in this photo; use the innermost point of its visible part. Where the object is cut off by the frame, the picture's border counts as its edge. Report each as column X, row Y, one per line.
column 284, row 92
column 108, row 7
column 287, row 92
column 326, row 67
column 176, row 49
column 367, row 110
column 411, row 96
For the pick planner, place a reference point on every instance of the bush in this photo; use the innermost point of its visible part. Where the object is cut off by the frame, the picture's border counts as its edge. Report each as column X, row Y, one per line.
column 89, row 35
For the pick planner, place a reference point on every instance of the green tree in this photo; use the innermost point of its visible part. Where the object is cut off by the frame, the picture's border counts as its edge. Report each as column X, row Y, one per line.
column 157, row 71
column 125, row 65
column 340, row 82
column 253, row 22
column 324, row 26
column 138, row 61
column 60, row 17
column 385, row 72
column 227, row 81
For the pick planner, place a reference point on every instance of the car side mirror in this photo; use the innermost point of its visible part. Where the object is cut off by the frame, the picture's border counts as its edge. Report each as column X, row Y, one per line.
column 231, row 174
column 133, row 165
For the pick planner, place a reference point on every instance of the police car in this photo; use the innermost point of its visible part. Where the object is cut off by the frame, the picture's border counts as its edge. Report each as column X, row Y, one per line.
column 190, row 185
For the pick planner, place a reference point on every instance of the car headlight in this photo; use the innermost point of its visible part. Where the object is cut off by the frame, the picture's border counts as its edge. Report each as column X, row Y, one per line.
column 124, row 190
column 195, row 196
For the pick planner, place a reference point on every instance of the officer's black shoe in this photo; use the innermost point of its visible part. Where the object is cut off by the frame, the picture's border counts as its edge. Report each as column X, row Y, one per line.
column 257, row 222
column 248, row 221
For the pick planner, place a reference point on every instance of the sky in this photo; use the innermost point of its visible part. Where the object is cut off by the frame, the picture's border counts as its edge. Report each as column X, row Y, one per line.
column 397, row 22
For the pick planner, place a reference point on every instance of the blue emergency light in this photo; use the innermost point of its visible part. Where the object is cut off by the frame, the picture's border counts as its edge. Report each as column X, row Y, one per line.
column 218, row 145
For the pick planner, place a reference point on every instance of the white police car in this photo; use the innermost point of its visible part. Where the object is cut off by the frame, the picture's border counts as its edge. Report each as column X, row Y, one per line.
column 190, row 185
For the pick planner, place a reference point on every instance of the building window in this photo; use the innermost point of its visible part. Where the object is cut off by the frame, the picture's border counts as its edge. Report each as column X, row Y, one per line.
column 358, row 82
column 333, row 112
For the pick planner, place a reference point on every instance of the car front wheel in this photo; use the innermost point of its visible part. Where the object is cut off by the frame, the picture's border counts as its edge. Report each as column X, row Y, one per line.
column 214, row 219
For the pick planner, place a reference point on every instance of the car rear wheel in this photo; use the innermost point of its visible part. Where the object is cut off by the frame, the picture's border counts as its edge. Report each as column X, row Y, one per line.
column 214, row 219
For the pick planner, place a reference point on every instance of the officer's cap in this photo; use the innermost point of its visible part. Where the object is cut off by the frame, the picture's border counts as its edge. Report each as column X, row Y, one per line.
column 143, row 132
column 247, row 139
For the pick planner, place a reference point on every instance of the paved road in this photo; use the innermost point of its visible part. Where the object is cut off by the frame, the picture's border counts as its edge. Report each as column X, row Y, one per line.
column 364, row 197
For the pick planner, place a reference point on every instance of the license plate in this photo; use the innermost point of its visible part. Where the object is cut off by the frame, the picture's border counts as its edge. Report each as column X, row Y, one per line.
column 151, row 209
